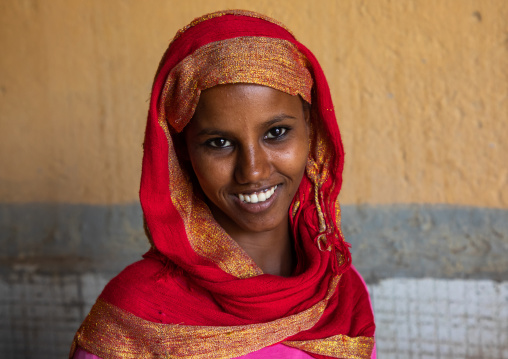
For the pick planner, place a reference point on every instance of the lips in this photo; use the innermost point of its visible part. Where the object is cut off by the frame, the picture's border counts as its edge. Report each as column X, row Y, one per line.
column 257, row 197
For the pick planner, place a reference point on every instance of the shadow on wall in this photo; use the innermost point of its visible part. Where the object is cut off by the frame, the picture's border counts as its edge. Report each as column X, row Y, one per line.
column 68, row 238
column 438, row 241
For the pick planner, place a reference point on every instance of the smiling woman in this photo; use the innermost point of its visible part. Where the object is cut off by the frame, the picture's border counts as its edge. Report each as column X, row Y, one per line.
column 242, row 168
column 248, row 145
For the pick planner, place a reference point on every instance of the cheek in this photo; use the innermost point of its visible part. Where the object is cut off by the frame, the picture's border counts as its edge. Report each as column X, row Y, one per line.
column 211, row 174
column 294, row 160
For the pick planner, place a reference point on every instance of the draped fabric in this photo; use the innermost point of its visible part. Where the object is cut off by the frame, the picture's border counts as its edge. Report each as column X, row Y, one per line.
column 196, row 293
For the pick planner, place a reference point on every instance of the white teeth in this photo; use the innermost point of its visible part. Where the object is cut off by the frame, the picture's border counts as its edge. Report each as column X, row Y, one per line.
column 258, row 196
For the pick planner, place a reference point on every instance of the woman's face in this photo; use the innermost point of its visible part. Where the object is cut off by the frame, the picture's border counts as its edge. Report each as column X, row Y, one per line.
column 248, row 145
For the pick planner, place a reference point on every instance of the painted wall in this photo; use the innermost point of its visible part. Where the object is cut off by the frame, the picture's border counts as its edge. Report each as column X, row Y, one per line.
column 421, row 92
column 420, row 88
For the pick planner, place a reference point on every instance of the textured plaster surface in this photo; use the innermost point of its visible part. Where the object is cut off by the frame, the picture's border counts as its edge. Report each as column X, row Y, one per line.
column 421, row 94
column 420, row 89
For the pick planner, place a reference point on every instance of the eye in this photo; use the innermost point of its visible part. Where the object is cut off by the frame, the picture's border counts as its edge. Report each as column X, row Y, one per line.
column 276, row 132
column 218, row 143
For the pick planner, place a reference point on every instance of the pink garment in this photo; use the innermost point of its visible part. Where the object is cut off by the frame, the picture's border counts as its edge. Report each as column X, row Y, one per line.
column 373, row 355
column 278, row 351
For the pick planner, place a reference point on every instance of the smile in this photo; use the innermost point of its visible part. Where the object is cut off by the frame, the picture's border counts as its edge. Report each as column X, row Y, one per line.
column 257, row 197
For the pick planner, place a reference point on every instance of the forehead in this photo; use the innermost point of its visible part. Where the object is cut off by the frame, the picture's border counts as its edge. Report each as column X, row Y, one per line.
column 237, row 103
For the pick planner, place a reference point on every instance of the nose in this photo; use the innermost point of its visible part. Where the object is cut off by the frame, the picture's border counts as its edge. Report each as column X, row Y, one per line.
column 252, row 164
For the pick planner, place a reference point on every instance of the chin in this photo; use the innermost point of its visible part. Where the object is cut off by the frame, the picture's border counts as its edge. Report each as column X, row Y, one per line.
column 260, row 226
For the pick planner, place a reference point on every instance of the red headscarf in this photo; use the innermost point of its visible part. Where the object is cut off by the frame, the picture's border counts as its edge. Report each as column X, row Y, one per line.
column 197, row 294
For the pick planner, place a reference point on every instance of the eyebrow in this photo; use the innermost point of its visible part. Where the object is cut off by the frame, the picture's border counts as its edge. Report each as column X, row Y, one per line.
column 276, row 119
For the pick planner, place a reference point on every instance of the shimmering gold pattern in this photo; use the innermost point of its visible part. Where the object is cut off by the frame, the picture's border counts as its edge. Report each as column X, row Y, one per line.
column 110, row 332
column 264, row 61
column 317, row 171
column 338, row 346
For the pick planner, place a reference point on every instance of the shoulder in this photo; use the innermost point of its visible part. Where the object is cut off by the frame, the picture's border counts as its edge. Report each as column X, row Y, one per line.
column 157, row 292
column 136, row 279
column 144, row 289
column 355, row 278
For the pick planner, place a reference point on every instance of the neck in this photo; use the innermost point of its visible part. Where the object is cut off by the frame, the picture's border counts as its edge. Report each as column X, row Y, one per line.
column 272, row 252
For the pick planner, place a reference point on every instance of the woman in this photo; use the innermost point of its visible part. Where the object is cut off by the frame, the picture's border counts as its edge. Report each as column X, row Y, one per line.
column 241, row 171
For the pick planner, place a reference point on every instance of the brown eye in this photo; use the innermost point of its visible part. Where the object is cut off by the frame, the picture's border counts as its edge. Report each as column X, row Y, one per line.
column 218, row 143
column 276, row 132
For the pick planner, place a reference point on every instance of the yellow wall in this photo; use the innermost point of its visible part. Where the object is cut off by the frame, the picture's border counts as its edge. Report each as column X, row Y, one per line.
column 420, row 87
